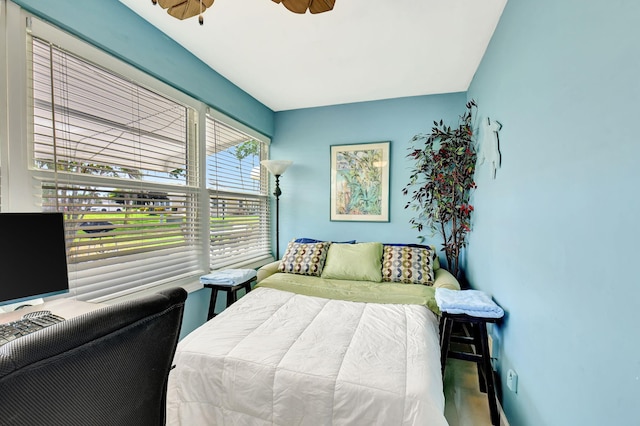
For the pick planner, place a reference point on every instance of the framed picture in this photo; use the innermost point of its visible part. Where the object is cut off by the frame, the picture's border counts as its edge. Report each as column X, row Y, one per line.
column 360, row 182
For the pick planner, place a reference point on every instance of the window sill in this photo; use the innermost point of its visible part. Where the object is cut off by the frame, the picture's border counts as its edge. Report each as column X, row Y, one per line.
column 190, row 284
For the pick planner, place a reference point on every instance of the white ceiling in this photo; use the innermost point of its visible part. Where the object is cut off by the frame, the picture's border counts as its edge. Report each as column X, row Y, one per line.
column 362, row 50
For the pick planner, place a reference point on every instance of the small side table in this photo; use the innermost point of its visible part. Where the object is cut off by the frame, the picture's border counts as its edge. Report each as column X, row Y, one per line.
column 232, row 294
column 477, row 339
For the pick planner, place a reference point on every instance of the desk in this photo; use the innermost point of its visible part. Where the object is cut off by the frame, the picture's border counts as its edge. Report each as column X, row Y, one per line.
column 65, row 308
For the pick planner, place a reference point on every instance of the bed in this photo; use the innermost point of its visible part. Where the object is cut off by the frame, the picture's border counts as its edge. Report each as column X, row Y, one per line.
column 327, row 353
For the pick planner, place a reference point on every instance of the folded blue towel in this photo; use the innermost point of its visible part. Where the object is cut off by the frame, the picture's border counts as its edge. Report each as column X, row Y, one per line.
column 471, row 302
column 228, row 276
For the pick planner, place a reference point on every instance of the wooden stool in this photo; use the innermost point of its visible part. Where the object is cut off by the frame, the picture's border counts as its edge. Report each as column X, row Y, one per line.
column 232, row 294
column 477, row 339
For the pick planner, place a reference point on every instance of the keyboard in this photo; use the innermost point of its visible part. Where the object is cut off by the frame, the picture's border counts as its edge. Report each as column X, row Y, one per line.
column 28, row 324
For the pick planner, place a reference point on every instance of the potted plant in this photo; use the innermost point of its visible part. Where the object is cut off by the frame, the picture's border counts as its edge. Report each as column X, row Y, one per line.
column 441, row 182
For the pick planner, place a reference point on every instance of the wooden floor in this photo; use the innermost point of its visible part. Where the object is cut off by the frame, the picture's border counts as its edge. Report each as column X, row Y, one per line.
column 465, row 405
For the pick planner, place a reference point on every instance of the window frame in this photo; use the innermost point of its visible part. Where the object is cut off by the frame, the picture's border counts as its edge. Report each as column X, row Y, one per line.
column 259, row 198
column 14, row 67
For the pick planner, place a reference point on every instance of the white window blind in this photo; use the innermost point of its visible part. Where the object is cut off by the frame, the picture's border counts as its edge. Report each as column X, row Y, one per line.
column 120, row 161
column 238, row 199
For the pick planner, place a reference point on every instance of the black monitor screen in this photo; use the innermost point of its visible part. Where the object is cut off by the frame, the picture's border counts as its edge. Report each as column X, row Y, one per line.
column 33, row 258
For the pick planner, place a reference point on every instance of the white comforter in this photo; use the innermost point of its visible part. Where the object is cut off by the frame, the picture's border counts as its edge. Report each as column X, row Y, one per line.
column 279, row 358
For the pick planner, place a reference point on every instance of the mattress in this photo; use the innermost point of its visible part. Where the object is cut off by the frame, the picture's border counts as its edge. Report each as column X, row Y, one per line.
column 276, row 357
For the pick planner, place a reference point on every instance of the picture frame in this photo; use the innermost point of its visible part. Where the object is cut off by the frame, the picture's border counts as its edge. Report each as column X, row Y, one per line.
column 360, row 182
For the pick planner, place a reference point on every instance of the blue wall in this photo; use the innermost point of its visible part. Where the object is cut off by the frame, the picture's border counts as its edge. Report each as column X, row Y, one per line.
column 305, row 136
column 195, row 310
column 555, row 235
column 113, row 27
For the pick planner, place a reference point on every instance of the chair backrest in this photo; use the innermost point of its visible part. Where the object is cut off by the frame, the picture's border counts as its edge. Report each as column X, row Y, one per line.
column 107, row 367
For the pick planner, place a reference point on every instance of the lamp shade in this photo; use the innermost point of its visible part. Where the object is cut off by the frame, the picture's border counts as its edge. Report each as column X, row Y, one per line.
column 276, row 167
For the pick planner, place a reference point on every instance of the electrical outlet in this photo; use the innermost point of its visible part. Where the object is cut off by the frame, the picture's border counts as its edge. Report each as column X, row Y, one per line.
column 512, row 381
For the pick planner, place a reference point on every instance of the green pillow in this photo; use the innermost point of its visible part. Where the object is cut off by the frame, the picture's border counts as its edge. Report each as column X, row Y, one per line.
column 356, row 262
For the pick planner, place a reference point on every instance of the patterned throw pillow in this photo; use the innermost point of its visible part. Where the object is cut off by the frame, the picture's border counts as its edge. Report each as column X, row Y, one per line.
column 407, row 264
column 304, row 258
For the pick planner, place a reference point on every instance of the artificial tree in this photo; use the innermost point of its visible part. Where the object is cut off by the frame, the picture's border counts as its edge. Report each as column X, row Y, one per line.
column 441, row 182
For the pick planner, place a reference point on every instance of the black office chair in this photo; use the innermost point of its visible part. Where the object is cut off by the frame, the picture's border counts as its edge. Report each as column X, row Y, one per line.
column 107, row 367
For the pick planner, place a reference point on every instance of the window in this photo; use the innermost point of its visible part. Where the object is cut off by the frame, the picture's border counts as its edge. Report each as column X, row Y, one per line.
column 120, row 162
column 156, row 187
column 238, row 200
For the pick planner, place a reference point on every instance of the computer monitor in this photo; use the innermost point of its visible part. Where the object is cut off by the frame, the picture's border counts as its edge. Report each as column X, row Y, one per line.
column 33, row 256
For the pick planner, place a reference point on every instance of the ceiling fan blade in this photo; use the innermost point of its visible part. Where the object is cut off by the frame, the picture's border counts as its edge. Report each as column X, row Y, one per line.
column 184, row 9
column 301, row 6
column 165, row 4
column 319, row 6
column 295, row 6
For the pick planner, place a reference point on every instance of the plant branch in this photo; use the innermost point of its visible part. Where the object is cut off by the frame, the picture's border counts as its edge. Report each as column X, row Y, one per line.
column 441, row 182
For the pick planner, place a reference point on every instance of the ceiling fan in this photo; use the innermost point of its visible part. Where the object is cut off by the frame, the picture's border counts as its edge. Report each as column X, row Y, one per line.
column 183, row 9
